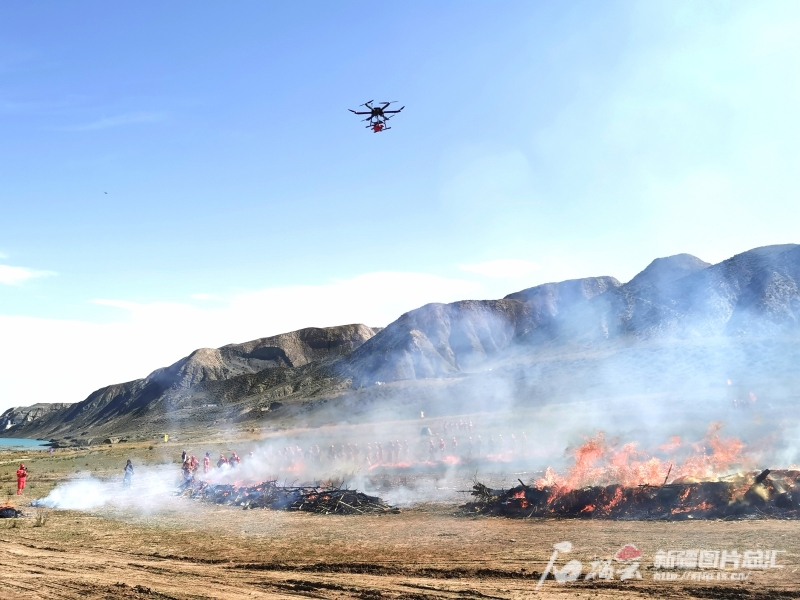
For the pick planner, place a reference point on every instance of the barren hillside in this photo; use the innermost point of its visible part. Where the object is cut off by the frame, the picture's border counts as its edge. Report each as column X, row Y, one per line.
column 680, row 322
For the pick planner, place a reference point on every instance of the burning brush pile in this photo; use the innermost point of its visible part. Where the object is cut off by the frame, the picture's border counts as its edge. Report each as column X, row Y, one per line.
column 769, row 494
column 609, row 483
column 317, row 499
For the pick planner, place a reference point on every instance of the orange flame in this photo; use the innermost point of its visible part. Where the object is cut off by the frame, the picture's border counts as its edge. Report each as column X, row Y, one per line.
column 598, row 462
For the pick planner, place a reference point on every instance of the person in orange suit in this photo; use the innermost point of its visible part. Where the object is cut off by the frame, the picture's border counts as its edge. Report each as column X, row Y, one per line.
column 206, row 463
column 22, row 475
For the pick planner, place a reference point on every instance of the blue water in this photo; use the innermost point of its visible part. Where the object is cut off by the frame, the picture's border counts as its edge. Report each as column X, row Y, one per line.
column 21, row 443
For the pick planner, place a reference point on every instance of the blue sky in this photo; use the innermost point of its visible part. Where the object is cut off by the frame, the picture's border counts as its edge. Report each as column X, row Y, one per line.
column 540, row 141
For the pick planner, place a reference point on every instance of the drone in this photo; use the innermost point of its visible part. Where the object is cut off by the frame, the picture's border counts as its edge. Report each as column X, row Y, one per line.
column 377, row 115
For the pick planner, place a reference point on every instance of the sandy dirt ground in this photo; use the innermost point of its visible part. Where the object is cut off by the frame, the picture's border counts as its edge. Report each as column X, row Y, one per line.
column 423, row 553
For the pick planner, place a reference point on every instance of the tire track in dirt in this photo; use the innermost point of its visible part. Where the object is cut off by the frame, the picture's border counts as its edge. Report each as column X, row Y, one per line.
column 215, row 553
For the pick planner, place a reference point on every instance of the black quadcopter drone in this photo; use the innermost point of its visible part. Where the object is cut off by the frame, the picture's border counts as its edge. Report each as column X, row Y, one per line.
column 377, row 115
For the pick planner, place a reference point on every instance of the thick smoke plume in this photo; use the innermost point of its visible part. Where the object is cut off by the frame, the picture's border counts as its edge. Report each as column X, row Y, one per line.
column 151, row 492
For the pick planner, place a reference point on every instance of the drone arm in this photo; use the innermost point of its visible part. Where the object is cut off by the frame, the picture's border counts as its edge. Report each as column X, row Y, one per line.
column 355, row 112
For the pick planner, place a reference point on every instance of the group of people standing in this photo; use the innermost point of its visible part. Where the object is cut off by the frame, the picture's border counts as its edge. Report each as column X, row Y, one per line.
column 393, row 451
column 474, row 448
column 190, row 464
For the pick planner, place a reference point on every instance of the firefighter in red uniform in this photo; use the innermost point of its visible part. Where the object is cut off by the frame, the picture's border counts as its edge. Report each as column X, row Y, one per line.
column 222, row 461
column 234, row 460
column 186, row 469
column 206, row 463
column 22, row 474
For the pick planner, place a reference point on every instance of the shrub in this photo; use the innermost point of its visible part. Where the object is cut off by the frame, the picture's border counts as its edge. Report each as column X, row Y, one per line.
column 41, row 519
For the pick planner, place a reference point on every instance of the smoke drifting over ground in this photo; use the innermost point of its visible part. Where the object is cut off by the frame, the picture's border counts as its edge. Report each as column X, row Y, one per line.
column 151, row 492
column 435, row 460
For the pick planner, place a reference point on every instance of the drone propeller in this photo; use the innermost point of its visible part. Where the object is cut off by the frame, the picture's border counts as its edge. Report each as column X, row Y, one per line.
column 394, row 111
column 367, row 103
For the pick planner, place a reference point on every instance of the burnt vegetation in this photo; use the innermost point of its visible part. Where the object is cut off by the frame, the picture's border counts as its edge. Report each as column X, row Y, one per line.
column 770, row 494
column 323, row 499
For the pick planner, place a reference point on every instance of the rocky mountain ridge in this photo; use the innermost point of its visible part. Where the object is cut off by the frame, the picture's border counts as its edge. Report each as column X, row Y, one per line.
column 165, row 389
column 754, row 294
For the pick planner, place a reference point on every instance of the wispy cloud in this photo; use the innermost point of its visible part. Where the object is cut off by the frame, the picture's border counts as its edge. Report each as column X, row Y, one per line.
column 503, row 268
column 151, row 335
column 117, row 121
column 372, row 298
column 19, row 275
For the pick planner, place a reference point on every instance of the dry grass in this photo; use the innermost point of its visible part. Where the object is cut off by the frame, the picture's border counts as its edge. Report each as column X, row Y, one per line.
column 40, row 520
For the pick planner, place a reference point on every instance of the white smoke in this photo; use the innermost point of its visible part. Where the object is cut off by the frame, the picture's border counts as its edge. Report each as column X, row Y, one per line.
column 152, row 490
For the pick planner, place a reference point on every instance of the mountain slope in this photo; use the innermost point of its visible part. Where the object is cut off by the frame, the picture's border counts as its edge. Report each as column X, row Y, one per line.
column 445, row 339
column 748, row 305
column 753, row 293
column 162, row 389
column 663, row 271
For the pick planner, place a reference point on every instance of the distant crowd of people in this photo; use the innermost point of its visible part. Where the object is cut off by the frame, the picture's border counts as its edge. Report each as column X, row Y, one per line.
column 470, row 447
column 457, row 440
column 190, row 464
column 451, row 441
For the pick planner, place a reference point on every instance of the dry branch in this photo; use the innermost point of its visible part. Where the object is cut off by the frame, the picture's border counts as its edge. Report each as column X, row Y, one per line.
column 268, row 494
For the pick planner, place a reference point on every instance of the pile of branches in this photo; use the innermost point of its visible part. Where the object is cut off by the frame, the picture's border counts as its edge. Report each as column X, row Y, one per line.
column 326, row 500
column 768, row 494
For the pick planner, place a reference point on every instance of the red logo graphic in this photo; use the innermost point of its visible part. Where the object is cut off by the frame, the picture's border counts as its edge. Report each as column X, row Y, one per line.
column 628, row 552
